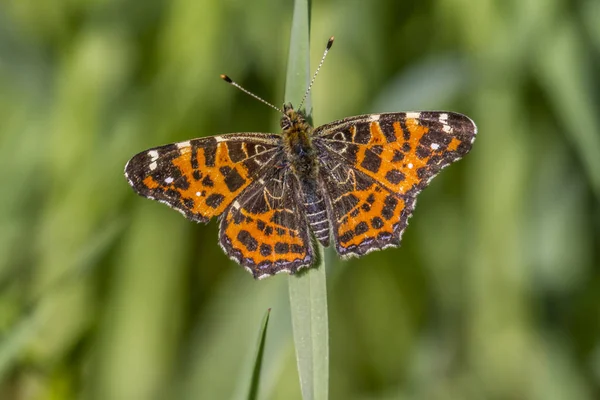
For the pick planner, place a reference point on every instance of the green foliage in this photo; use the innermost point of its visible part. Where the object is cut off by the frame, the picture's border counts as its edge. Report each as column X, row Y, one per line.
column 495, row 292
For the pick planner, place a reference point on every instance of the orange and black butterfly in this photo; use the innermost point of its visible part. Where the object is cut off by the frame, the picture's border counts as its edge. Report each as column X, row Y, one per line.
column 353, row 182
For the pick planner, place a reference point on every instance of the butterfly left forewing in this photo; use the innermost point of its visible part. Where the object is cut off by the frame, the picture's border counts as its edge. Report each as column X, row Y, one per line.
column 201, row 177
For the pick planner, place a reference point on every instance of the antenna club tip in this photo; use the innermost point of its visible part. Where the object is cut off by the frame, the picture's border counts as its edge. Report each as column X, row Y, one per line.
column 226, row 78
column 330, row 42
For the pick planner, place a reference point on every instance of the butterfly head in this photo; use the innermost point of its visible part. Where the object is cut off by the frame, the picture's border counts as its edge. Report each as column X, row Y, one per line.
column 293, row 119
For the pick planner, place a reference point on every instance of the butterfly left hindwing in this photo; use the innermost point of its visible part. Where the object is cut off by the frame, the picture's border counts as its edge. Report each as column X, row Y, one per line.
column 265, row 230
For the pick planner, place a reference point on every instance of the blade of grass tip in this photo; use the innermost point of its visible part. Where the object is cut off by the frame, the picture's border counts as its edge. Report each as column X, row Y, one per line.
column 249, row 390
column 308, row 291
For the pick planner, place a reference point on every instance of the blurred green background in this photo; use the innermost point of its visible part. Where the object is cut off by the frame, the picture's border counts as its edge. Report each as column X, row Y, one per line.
column 494, row 294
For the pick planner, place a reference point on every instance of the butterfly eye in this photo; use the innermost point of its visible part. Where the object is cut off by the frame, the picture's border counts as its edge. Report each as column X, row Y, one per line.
column 285, row 123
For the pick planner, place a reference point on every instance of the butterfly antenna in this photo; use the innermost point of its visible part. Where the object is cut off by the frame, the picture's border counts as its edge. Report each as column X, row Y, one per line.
column 329, row 44
column 228, row 80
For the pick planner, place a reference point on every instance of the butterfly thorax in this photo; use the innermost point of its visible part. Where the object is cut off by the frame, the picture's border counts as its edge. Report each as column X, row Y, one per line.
column 297, row 142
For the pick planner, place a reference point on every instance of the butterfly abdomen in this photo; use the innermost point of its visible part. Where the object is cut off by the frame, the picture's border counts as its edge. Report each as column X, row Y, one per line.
column 315, row 211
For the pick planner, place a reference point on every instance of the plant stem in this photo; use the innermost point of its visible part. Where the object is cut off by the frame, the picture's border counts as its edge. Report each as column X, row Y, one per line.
column 308, row 292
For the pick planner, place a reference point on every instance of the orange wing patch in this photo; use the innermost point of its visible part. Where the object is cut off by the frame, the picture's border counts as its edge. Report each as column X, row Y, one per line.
column 262, row 244
column 372, row 219
column 264, row 231
column 202, row 177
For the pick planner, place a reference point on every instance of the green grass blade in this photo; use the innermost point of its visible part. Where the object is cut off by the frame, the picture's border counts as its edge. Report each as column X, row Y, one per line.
column 308, row 302
column 298, row 68
column 308, row 291
column 254, row 367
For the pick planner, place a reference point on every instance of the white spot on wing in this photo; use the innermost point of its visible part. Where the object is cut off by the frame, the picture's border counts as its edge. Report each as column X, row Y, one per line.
column 236, row 205
column 373, row 117
column 198, row 194
column 168, row 180
column 447, row 129
column 409, row 165
column 153, row 155
column 435, row 146
column 152, row 166
column 413, row 115
column 444, row 118
column 182, row 145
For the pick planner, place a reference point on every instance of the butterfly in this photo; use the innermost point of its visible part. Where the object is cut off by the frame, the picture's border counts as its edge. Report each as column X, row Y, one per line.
column 351, row 182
